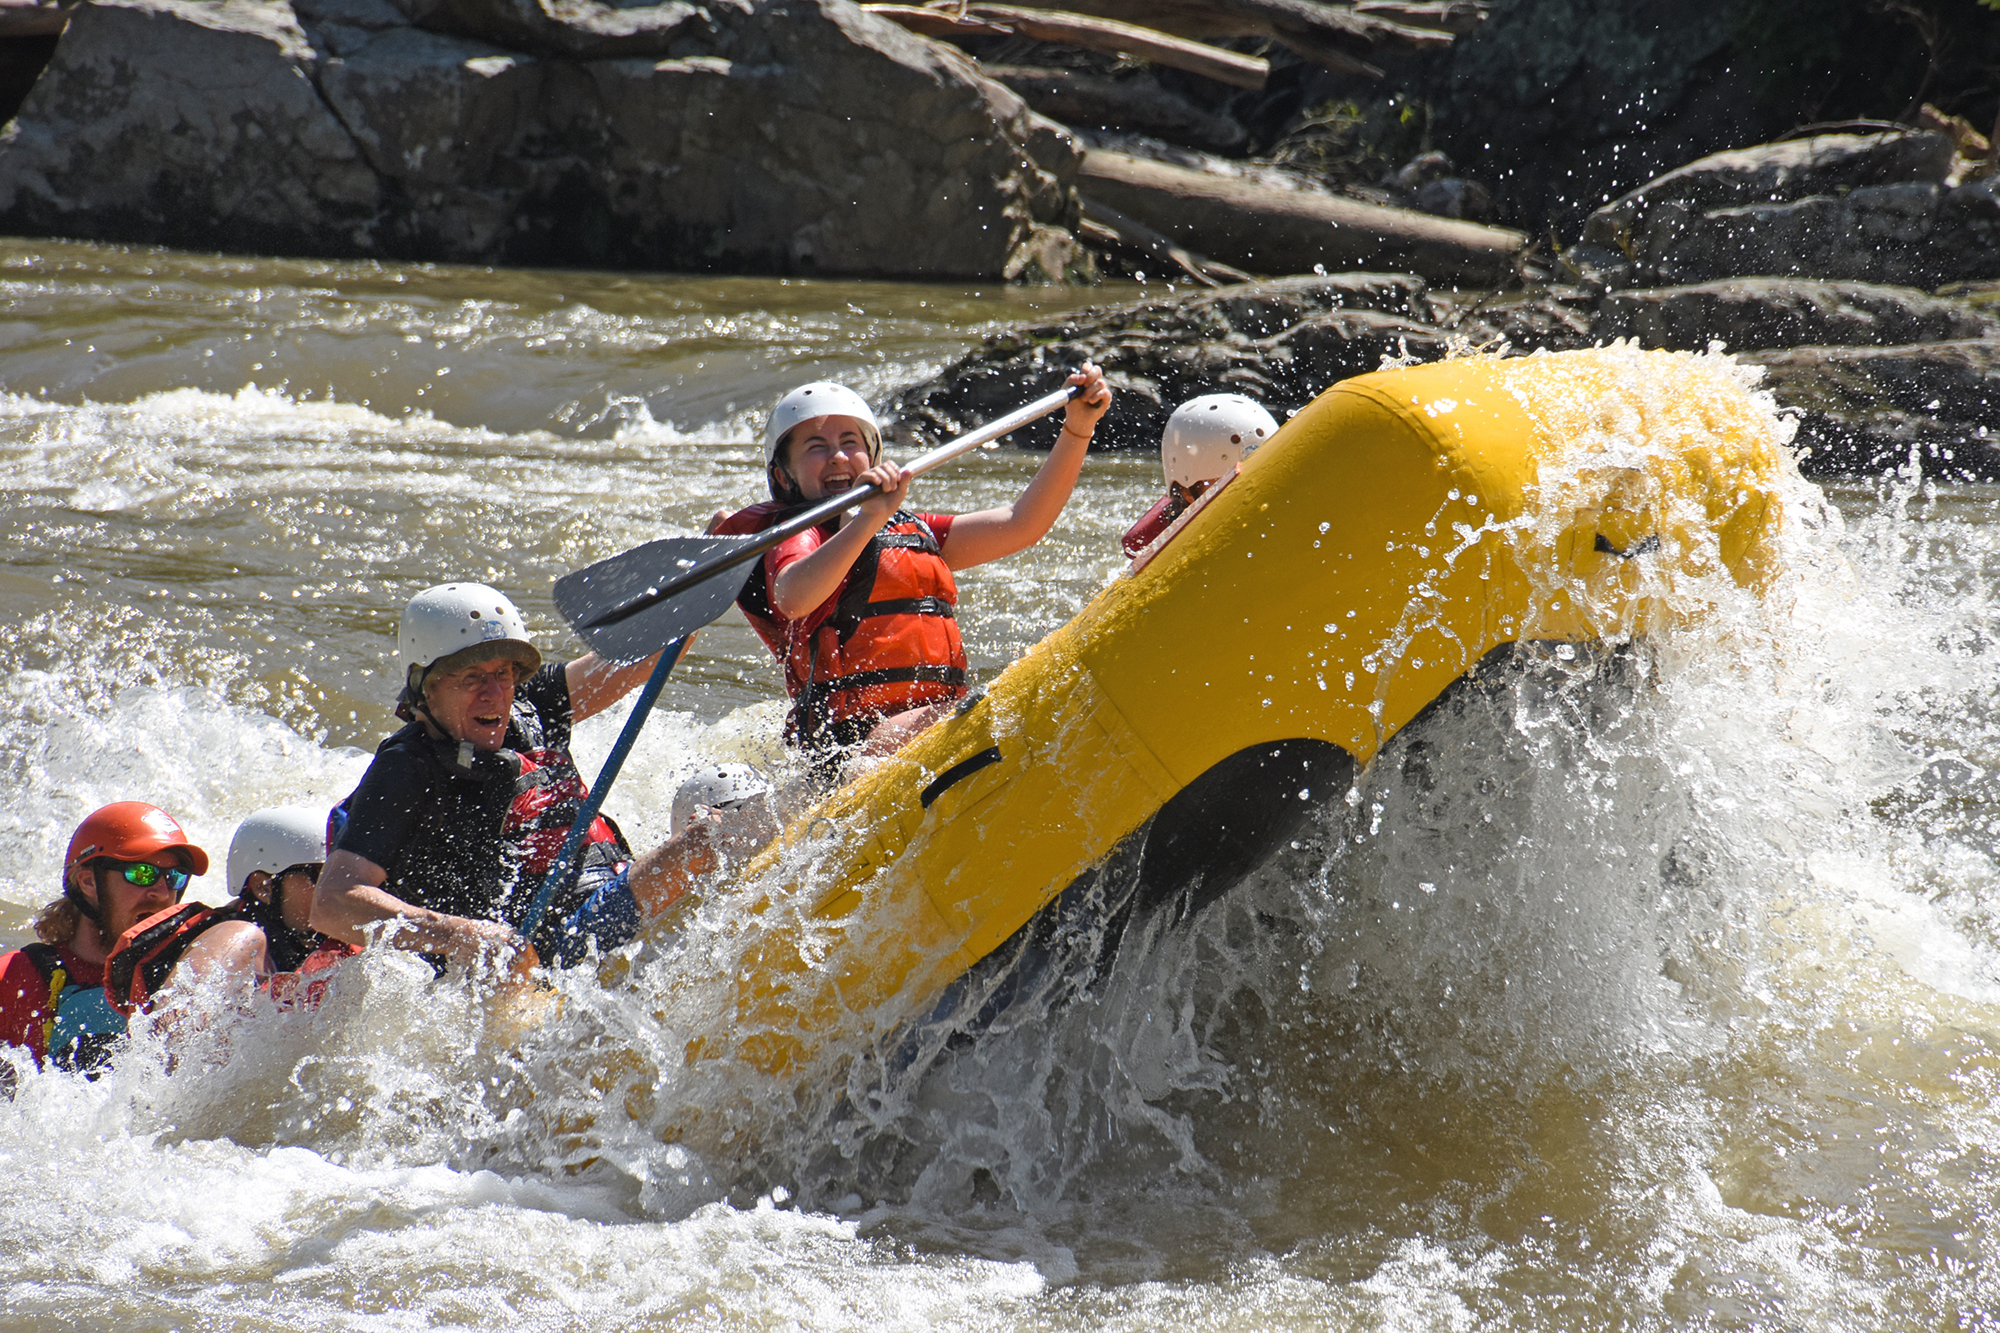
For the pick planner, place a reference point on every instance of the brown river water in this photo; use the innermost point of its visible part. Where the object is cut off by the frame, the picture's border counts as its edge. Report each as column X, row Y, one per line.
column 1658, row 994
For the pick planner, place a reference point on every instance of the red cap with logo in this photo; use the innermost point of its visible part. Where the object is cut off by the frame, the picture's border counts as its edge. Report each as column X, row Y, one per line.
column 132, row 831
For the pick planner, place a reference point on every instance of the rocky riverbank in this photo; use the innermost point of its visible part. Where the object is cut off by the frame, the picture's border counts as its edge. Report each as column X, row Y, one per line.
column 1875, row 374
column 825, row 137
column 784, row 136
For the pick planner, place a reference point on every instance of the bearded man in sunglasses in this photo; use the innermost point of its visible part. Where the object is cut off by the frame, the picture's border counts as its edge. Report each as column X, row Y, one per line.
column 126, row 862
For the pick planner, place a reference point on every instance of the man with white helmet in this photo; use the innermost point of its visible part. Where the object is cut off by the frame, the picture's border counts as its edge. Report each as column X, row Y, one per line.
column 463, row 811
column 861, row 611
column 1205, row 439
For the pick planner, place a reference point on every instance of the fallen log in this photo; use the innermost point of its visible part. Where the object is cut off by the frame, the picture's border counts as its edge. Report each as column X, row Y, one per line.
column 1332, row 35
column 1266, row 230
column 1108, row 227
column 1093, row 34
column 1457, row 17
column 1144, row 106
column 31, row 19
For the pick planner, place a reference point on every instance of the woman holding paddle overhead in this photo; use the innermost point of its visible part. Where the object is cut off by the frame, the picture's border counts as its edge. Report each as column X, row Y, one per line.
column 861, row 611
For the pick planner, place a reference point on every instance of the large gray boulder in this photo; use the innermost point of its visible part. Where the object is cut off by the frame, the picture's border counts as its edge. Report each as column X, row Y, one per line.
column 192, row 124
column 1873, row 208
column 1754, row 314
column 1868, row 410
column 1282, row 342
column 774, row 136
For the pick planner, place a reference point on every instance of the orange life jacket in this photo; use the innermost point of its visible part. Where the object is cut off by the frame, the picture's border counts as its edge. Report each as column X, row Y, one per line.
column 145, row 956
column 891, row 642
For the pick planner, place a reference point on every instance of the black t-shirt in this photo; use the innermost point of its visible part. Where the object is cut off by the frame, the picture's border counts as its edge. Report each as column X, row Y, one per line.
column 435, row 824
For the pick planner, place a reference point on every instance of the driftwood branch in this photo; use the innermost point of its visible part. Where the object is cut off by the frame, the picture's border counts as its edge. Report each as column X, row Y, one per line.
column 1457, row 17
column 1094, row 34
column 1267, row 230
column 1336, row 36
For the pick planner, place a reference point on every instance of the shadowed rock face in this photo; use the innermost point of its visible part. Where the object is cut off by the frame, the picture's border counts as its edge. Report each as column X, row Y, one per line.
column 1754, row 314
column 1875, row 208
column 1889, row 370
column 769, row 137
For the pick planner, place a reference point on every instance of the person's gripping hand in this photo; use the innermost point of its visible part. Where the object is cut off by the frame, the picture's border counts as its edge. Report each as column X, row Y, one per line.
column 1085, row 410
column 895, row 483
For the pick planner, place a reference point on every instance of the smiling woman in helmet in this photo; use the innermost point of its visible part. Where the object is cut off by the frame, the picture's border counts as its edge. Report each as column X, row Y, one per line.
column 1205, row 439
column 125, row 862
column 462, row 811
column 861, row 612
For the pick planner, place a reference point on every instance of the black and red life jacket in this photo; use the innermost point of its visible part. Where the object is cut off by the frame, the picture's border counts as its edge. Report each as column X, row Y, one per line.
column 891, row 643
column 548, row 794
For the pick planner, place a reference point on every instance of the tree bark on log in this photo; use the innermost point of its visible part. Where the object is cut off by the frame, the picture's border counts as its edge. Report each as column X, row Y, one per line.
column 1265, row 230
column 1331, row 35
column 1457, row 17
column 1108, row 227
column 1085, row 99
column 32, row 20
column 1093, row 34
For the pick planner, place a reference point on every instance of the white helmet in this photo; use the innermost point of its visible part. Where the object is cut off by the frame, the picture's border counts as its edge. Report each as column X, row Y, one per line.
column 1207, row 436
column 823, row 398
column 719, row 787
column 466, row 622
column 274, row 840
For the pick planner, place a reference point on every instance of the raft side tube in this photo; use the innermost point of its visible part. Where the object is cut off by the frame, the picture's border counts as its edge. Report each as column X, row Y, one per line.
column 1392, row 534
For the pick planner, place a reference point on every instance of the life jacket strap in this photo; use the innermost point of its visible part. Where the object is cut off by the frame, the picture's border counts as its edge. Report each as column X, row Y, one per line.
column 812, row 709
column 146, row 954
column 899, row 606
column 58, row 979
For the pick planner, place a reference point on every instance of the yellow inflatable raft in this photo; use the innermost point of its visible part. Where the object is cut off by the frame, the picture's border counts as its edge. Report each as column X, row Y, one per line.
column 1395, row 533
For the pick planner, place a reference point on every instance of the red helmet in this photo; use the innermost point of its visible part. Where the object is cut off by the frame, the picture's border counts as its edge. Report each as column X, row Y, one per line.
column 131, row 831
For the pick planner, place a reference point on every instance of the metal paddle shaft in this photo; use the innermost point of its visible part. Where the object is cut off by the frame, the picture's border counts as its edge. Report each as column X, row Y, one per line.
column 564, row 868
column 629, row 605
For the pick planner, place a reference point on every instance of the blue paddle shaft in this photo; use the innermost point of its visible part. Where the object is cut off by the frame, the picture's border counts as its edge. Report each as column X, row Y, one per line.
column 564, row 868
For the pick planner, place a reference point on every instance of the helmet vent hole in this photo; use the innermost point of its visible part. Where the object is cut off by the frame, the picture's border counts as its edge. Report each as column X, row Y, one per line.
column 475, row 615
column 1236, row 439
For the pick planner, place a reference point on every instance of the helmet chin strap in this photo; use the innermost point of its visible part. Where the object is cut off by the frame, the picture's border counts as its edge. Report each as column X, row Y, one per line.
column 83, row 904
column 786, row 491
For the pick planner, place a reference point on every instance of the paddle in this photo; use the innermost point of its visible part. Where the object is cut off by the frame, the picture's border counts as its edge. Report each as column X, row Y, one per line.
column 629, row 605
column 564, row 867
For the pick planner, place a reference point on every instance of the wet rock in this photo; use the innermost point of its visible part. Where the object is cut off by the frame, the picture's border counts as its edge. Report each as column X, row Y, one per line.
column 1455, row 197
column 764, row 137
column 1869, row 410
column 1772, row 173
column 1281, row 342
column 1746, row 314
column 187, row 124
column 1865, row 207
column 1555, row 320
column 429, row 113
column 580, row 28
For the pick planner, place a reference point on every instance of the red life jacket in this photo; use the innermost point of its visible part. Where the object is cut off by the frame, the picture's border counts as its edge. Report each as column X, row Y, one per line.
column 146, row 954
column 1152, row 523
column 891, row 643
column 548, row 792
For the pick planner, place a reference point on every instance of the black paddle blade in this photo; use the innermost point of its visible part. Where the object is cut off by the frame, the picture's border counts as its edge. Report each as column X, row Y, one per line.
column 592, row 593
